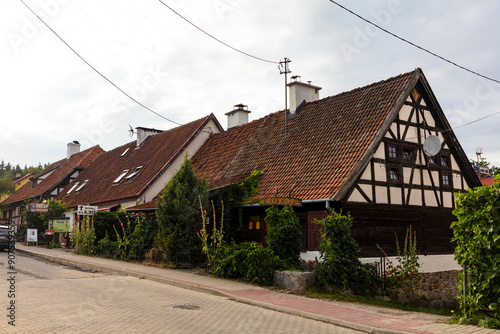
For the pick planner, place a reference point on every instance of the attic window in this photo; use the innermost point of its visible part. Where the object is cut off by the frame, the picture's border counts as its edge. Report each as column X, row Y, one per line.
column 73, row 188
column 125, row 152
column 134, row 173
column 82, row 185
column 122, row 175
column 393, row 152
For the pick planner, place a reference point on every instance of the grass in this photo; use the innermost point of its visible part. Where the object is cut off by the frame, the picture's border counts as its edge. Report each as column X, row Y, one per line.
column 376, row 302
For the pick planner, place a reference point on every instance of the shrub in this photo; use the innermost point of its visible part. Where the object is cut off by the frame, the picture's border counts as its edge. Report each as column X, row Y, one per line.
column 340, row 267
column 248, row 260
column 477, row 233
column 283, row 234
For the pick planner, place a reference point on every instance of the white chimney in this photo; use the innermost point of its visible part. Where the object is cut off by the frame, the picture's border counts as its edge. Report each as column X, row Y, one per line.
column 237, row 116
column 143, row 133
column 300, row 92
column 73, row 148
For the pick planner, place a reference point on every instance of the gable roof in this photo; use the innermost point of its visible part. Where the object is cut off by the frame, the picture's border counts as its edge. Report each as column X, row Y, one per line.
column 327, row 145
column 56, row 173
column 155, row 155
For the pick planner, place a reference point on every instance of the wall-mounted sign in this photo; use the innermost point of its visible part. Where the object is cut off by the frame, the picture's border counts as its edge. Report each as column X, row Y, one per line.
column 39, row 207
column 86, row 210
column 282, row 201
column 59, row 225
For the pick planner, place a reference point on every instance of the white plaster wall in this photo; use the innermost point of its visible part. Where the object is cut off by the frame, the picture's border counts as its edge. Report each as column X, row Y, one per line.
column 429, row 263
column 367, row 174
column 356, row 197
column 396, row 195
column 447, row 199
column 416, row 197
column 380, row 152
column 192, row 148
column 430, row 198
column 380, row 172
column 405, row 111
column 381, row 193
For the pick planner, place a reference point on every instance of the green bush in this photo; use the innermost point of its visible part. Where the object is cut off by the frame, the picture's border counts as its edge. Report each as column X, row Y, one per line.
column 283, row 234
column 340, row 267
column 248, row 260
column 477, row 234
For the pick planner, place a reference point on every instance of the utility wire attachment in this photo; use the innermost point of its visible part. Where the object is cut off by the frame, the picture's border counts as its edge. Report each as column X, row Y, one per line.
column 283, row 67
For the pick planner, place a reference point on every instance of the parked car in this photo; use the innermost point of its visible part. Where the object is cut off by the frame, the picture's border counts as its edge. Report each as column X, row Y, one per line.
column 5, row 237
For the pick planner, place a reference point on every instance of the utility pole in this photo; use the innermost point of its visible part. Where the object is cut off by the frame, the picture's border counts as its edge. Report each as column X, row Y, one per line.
column 283, row 67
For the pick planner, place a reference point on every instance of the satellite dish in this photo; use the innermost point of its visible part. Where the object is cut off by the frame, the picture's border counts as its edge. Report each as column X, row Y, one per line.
column 432, row 145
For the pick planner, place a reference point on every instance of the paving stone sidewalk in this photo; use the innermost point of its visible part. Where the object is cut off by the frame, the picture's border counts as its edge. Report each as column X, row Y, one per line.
column 340, row 314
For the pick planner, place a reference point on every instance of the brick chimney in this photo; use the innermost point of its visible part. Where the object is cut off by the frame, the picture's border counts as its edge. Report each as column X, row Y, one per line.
column 143, row 133
column 73, row 148
column 237, row 116
column 300, row 92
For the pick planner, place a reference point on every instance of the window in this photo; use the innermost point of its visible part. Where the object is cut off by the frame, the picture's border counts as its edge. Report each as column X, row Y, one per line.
column 125, row 152
column 431, row 160
column 393, row 152
column 254, row 223
column 122, row 175
column 394, row 174
column 73, row 188
column 445, row 160
column 446, row 179
column 134, row 173
column 82, row 185
column 407, row 154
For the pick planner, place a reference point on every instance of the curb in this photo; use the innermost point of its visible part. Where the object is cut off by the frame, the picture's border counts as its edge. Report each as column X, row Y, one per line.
column 216, row 292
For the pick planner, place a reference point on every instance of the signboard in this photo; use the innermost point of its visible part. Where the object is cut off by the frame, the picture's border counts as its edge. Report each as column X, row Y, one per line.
column 38, row 207
column 282, row 201
column 86, row 210
column 49, row 232
column 58, row 225
column 32, row 235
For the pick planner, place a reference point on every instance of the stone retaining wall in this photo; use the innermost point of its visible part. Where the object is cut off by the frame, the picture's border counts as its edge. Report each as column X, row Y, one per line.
column 296, row 281
column 440, row 287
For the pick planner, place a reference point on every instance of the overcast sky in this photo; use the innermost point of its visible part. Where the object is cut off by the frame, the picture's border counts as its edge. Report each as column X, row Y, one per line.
column 51, row 97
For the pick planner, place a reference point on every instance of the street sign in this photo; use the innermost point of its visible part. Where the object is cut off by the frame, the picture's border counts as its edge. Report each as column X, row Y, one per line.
column 86, row 210
column 59, row 224
column 39, row 207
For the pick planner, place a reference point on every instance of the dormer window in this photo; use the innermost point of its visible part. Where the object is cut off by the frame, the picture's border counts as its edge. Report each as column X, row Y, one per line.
column 124, row 152
column 81, row 186
column 73, row 188
column 134, row 173
column 122, row 175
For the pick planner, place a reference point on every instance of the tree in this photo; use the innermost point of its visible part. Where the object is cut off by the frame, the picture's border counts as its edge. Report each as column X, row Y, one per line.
column 178, row 213
column 6, row 184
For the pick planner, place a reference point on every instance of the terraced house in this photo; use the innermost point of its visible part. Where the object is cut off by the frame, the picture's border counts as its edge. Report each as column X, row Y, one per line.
column 360, row 152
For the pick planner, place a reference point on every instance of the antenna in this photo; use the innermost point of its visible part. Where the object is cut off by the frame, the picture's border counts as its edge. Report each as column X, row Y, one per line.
column 131, row 131
column 479, row 152
column 283, row 67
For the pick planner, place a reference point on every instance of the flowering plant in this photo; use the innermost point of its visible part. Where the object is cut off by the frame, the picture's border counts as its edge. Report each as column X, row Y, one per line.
column 210, row 243
column 403, row 273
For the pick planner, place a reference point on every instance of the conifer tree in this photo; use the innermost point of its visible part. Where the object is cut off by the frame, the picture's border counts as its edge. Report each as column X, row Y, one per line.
column 178, row 212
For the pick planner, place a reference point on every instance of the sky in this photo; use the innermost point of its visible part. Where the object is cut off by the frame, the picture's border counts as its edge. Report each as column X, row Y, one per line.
column 51, row 97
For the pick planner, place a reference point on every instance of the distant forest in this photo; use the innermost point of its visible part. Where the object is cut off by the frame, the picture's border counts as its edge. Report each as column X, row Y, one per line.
column 8, row 172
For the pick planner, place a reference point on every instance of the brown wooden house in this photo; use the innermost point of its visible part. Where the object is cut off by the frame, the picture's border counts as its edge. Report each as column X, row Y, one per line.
column 360, row 152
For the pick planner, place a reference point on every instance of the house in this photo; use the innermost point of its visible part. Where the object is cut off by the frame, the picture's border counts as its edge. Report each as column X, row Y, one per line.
column 132, row 175
column 18, row 182
column 359, row 152
column 51, row 181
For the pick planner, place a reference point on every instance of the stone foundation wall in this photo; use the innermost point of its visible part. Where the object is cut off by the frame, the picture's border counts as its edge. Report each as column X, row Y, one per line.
column 440, row 286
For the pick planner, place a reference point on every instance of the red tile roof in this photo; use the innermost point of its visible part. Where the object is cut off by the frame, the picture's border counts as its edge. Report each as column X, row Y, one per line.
column 324, row 143
column 488, row 181
column 155, row 155
column 59, row 171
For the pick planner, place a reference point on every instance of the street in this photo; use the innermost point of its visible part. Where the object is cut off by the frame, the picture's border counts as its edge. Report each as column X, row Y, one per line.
column 40, row 296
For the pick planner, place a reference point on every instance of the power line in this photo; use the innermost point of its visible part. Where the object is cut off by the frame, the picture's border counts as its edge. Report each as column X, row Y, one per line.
column 218, row 40
column 413, row 44
column 477, row 120
column 92, row 67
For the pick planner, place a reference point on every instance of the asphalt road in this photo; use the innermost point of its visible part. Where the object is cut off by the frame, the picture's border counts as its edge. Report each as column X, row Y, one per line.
column 42, row 297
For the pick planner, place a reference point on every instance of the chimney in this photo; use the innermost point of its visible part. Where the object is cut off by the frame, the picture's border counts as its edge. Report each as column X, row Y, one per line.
column 300, row 92
column 73, row 148
column 237, row 116
column 143, row 133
